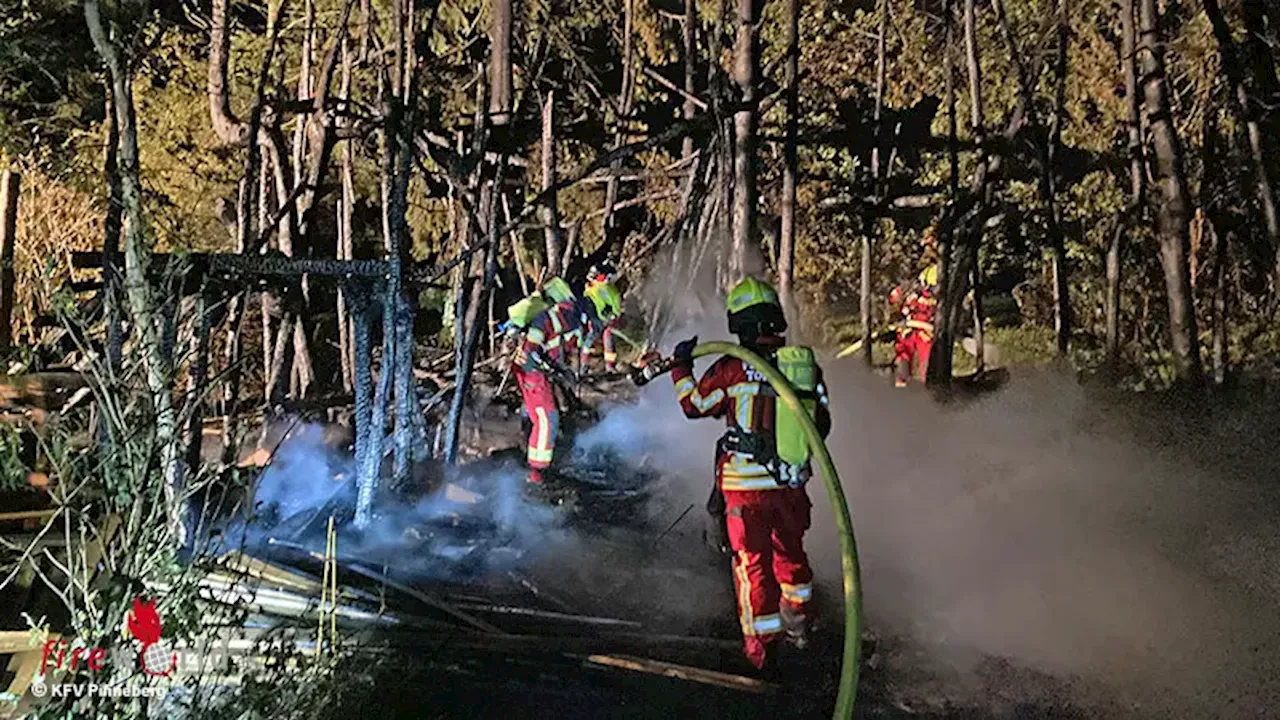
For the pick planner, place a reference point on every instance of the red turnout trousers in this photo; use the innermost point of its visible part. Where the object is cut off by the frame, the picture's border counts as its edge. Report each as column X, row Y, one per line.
column 540, row 404
column 770, row 569
column 912, row 356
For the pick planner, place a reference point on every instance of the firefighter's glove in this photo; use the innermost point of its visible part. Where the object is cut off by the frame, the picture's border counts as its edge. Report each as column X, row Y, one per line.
column 683, row 355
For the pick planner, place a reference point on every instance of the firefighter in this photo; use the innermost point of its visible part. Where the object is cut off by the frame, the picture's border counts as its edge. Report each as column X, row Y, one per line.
column 917, row 302
column 764, row 504
column 603, row 273
column 550, row 346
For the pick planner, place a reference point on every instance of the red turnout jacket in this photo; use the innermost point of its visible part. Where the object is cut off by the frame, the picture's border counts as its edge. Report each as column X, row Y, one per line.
column 733, row 390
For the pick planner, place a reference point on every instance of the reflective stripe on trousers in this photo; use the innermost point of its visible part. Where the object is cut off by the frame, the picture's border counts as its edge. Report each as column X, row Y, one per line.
column 540, row 404
column 770, row 569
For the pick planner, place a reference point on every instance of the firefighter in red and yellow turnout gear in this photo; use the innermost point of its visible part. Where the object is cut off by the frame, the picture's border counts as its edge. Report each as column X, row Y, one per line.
column 918, row 302
column 551, row 344
column 765, row 506
column 599, row 275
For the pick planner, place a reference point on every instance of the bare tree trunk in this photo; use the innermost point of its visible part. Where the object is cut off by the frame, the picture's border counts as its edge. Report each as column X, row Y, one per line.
column 1137, row 183
column 873, row 225
column 500, row 93
column 346, row 233
column 137, row 259
column 979, row 316
column 1057, row 241
column 787, row 231
column 197, row 376
column 940, row 363
column 1245, row 109
column 466, row 361
column 624, row 112
column 300, row 369
column 10, row 185
column 690, row 68
column 1174, row 211
column 964, row 250
column 1220, row 359
column 746, row 70
column 550, row 218
column 111, row 297
column 469, row 299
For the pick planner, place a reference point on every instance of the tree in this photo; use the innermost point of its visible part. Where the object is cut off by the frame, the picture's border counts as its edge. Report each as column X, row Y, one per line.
column 1137, row 183
column 1173, row 213
column 746, row 60
column 1245, row 108
column 147, row 321
column 787, row 229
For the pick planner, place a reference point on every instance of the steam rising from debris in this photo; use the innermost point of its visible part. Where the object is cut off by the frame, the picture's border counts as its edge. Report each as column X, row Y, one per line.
column 479, row 523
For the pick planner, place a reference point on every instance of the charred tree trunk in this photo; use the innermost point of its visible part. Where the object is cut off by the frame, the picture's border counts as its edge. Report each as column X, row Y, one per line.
column 787, row 231
column 147, row 322
column 1174, row 211
column 746, row 70
column 469, row 298
column 967, row 230
column 938, row 365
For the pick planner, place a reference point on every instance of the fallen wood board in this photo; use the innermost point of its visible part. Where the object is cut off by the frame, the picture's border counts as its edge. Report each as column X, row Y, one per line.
column 683, row 672
column 28, row 515
column 16, row 641
column 265, row 571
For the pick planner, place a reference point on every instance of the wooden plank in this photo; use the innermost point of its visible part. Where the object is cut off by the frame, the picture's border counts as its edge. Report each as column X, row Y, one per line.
column 24, row 665
column 16, row 641
column 28, row 515
column 682, row 672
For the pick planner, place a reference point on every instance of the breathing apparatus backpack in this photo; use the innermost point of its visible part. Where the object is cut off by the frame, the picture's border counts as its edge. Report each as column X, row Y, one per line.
column 798, row 365
column 784, row 451
column 522, row 313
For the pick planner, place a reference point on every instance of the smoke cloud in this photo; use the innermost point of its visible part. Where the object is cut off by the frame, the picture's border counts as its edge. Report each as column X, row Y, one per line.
column 1125, row 551
column 1066, row 533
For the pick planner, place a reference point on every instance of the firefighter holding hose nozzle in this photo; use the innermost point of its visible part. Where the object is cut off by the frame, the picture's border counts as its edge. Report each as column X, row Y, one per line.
column 759, row 507
column 552, row 338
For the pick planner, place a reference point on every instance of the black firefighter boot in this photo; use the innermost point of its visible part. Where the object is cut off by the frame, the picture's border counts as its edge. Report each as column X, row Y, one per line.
column 797, row 631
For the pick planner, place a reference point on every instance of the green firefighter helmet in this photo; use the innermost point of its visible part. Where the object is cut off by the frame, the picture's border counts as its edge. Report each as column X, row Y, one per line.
column 607, row 298
column 754, row 309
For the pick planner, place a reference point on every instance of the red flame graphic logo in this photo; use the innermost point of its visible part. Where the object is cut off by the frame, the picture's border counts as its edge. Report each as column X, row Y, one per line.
column 144, row 624
column 144, row 621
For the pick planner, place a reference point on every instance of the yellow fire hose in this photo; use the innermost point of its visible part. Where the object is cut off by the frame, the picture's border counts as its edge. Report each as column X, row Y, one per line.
column 852, row 657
